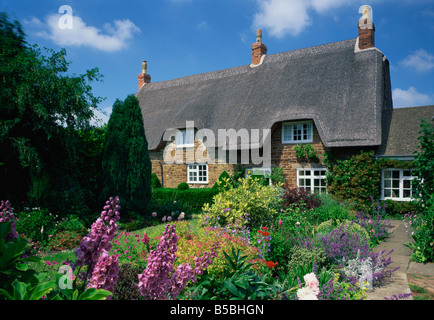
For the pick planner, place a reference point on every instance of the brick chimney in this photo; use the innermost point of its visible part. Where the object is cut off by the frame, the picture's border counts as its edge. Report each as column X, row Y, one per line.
column 258, row 49
column 144, row 77
column 366, row 28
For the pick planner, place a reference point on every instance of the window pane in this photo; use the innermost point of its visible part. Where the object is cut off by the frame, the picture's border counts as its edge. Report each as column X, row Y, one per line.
column 395, row 183
column 387, row 183
column 316, row 182
column 407, row 194
column 407, row 173
column 395, row 193
column 387, row 193
column 308, row 172
column 301, row 173
column 308, row 183
column 387, row 174
column 301, row 182
column 407, row 184
column 316, row 173
column 395, row 174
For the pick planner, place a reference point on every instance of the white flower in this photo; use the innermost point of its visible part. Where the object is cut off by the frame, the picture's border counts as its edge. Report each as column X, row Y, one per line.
column 306, row 293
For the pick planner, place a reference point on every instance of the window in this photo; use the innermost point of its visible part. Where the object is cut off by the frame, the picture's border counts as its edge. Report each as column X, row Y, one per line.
column 297, row 132
column 197, row 173
column 312, row 179
column 185, row 138
column 396, row 184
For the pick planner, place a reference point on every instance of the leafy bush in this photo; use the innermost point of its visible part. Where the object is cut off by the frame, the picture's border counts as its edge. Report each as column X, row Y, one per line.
column 355, row 179
column 155, row 182
column 422, row 233
column 193, row 197
column 220, row 183
column 347, row 225
column 73, row 224
column 400, row 208
column 299, row 256
column 36, row 224
column 126, row 287
column 250, row 199
column 300, row 198
column 183, row 186
column 65, row 240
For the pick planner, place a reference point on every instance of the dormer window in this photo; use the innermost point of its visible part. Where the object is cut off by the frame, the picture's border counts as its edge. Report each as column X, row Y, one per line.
column 297, row 132
column 185, row 138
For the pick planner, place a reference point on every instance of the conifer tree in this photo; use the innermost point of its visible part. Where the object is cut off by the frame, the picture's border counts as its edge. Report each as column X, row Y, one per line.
column 126, row 162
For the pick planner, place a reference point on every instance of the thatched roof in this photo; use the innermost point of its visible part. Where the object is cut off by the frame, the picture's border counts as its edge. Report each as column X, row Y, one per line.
column 343, row 90
column 401, row 130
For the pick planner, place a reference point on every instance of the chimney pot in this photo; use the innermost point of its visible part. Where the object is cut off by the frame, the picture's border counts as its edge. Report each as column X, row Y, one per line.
column 258, row 49
column 144, row 77
column 366, row 28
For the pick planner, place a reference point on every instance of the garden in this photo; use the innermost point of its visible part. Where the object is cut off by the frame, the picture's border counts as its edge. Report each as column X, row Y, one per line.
column 253, row 242
column 89, row 221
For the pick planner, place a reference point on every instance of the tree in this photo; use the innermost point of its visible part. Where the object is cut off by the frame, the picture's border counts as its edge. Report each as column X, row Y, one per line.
column 126, row 163
column 424, row 186
column 41, row 109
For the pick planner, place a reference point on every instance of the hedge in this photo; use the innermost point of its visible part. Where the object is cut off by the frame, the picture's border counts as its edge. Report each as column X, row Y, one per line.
column 195, row 197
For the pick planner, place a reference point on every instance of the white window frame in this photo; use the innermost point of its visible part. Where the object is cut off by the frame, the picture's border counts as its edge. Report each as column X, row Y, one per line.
column 397, row 182
column 184, row 138
column 196, row 170
column 288, row 132
column 311, row 177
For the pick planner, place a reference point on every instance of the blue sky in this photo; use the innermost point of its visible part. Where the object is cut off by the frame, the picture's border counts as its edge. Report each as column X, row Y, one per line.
column 185, row 37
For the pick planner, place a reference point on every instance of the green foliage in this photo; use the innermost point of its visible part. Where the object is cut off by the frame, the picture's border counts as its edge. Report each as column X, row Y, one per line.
column 422, row 243
column 400, row 208
column 126, row 287
column 240, row 282
column 306, row 152
column 424, row 161
column 219, row 184
column 250, row 199
column 276, row 176
column 42, row 107
column 194, row 197
column 349, row 226
column 155, row 182
column 355, row 179
column 183, row 186
column 36, row 224
column 126, row 163
column 301, row 256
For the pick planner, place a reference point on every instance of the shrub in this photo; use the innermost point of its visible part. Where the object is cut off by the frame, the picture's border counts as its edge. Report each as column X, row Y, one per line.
column 195, row 198
column 155, row 182
column 250, row 200
column 65, row 240
column 221, row 182
column 183, row 186
column 299, row 255
column 73, row 224
column 400, row 208
column 126, row 287
column 36, row 224
column 192, row 245
column 349, row 226
column 355, row 179
column 300, row 198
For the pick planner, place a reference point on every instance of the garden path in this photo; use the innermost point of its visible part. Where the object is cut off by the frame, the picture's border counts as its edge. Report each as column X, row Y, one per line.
column 398, row 283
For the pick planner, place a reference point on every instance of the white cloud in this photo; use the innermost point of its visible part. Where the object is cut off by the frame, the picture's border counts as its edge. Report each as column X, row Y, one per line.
column 114, row 38
column 410, row 98
column 420, row 60
column 282, row 17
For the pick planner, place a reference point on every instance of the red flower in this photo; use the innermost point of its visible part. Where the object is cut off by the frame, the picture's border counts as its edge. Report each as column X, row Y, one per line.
column 264, row 228
column 270, row 264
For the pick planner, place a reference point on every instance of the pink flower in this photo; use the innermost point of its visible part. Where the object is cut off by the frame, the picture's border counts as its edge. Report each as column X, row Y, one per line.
column 280, row 222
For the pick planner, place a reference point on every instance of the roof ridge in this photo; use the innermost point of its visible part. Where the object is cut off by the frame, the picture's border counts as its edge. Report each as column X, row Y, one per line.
column 233, row 71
